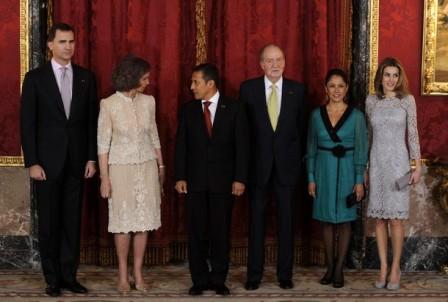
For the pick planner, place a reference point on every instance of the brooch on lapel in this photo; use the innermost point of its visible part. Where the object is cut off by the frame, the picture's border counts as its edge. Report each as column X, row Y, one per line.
column 223, row 106
column 83, row 81
column 290, row 92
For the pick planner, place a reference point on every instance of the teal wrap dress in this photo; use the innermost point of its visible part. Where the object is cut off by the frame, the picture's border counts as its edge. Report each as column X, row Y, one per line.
column 336, row 170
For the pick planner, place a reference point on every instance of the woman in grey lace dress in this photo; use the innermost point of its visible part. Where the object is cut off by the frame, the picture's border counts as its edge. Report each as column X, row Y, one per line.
column 392, row 119
column 131, row 165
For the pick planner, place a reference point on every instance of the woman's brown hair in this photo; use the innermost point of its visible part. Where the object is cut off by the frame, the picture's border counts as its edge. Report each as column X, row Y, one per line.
column 401, row 89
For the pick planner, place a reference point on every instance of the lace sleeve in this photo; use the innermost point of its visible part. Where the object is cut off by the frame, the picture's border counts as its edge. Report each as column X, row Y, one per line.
column 104, row 135
column 311, row 147
column 413, row 140
column 360, row 152
column 369, row 104
column 153, row 126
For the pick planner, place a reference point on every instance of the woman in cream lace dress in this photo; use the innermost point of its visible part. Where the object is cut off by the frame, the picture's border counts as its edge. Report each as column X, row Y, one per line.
column 131, row 165
column 392, row 123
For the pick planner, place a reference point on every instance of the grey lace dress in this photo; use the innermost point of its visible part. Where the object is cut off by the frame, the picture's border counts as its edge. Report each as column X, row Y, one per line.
column 392, row 124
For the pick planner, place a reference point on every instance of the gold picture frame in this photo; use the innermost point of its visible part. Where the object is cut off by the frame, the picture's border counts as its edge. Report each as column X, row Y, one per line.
column 374, row 43
column 435, row 48
column 17, row 161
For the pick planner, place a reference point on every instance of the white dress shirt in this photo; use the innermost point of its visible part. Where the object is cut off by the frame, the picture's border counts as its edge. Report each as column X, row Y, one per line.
column 57, row 70
column 212, row 107
column 268, row 90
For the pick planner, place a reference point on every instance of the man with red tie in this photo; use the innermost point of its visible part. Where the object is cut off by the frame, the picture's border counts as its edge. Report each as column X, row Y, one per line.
column 211, row 169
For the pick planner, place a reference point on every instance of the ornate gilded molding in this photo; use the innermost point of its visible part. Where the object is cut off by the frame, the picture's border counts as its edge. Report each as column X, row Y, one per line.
column 24, row 39
column 374, row 42
column 201, row 30
column 11, row 161
column 429, row 51
column 24, row 49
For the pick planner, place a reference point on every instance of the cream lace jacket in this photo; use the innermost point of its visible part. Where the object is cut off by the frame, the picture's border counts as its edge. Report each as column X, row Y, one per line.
column 127, row 129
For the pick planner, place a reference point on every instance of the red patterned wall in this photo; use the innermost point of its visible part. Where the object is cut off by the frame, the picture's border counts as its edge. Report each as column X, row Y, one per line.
column 400, row 36
column 9, row 78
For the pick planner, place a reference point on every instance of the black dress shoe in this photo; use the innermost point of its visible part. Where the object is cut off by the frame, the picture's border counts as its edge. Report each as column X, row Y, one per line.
column 222, row 290
column 338, row 279
column 196, row 290
column 328, row 277
column 75, row 287
column 286, row 284
column 252, row 285
column 53, row 290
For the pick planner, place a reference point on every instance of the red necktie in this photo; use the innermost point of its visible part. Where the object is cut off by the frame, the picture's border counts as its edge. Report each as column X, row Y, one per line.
column 208, row 118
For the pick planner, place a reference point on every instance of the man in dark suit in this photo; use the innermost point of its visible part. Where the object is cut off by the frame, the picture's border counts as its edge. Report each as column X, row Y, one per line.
column 276, row 113
column 58, row 132
column 211, row 166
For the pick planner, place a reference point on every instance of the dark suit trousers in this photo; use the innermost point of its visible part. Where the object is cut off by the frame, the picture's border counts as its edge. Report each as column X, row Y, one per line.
column 59, row 215
column 209, row 217
column 258, row 199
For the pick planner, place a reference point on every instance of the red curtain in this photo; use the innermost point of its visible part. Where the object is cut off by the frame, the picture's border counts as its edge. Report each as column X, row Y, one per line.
column 10, row 75
column 314, row 35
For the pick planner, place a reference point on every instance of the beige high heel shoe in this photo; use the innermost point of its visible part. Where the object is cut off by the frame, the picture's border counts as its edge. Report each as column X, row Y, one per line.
column 381, row 284
column 123, row 288
column 142, row 287
column 394, row 286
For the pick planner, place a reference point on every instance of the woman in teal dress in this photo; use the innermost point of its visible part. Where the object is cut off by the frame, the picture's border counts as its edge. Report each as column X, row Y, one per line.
column 336, row 161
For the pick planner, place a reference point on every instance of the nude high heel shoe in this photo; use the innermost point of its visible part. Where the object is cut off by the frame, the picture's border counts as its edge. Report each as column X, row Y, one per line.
column 394, row 286
column 381, row 284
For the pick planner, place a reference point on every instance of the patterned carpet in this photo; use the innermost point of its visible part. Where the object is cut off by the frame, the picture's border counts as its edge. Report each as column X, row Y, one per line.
column 171, row 283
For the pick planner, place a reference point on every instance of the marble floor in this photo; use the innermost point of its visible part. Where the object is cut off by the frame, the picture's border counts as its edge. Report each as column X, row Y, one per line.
column 171, row 283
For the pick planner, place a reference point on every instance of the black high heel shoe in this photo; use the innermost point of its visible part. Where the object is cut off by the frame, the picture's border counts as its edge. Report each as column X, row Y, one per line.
column 328, row 277
column 338, row 279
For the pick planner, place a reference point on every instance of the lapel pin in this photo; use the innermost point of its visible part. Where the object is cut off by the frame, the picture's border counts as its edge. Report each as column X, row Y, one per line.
column 223, row 106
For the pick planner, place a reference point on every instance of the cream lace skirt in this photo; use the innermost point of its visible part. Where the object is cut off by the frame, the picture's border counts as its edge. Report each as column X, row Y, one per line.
column 134, row 205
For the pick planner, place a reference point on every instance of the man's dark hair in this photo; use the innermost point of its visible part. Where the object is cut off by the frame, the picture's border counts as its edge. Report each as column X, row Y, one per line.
column 58, row 26
column 209, row 72
column 128, row 72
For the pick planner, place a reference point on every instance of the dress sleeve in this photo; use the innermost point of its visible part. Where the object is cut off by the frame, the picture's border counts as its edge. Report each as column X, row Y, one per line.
column 413, row 141
column 153, row 126
column 361, row 147
column 311, row 147
column 104, row 135
column 369, row 105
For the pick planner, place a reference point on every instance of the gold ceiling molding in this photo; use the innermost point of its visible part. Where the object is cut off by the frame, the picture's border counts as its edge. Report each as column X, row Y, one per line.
column 201, row 30
column 374, row 42
column 24, row 49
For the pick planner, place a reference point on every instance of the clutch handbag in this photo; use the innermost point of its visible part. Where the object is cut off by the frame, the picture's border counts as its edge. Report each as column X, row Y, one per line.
column 351, row 200
column 403, row 181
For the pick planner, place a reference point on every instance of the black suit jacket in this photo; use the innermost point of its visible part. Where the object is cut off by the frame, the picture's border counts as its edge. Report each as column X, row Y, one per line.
column 281, row 148
column 212, row 163
column 48, row 137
